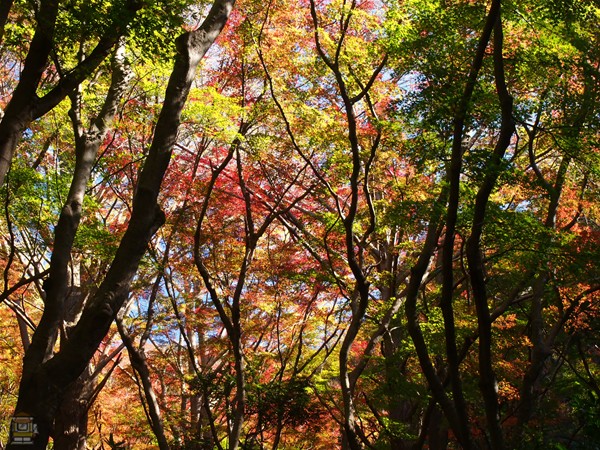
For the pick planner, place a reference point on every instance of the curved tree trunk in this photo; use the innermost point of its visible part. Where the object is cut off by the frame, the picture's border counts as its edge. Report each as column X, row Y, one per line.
column 45, row 381
column 487, row 377
column 138, row 363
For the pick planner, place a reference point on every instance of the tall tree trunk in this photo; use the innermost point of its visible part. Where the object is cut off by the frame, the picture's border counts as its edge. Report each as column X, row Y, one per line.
column 488, row 384
column 59, row 304
column 239, row 404
column 45, row 381
column 399, row 409
column 137, row 358
column 453, row 179
column 70, row 426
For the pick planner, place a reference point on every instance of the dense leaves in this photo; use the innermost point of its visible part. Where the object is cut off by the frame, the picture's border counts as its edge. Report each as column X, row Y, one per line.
column 381, row 225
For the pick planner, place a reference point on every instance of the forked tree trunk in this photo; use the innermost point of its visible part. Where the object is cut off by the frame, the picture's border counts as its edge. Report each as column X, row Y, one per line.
column 487, row 377
column 25, row 105
column 45, row 381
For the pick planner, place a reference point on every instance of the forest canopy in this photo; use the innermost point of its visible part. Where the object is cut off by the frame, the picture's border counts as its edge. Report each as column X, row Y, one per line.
column 315, row 224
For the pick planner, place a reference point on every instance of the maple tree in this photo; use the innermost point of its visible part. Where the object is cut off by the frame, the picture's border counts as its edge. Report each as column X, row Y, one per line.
column 358, row 225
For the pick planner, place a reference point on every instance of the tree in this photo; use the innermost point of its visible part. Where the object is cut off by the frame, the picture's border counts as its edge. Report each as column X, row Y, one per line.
column 46, row 377
column 25, row 105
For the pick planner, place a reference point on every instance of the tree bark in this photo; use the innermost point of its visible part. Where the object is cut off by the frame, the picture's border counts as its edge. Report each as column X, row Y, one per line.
column 487, row 378
column 137, row 358
column 56, row 285
column 453, row 177
column 25, row 105
column 43, row 386
column 70, row 426
column 412, row 321
column 454, row 409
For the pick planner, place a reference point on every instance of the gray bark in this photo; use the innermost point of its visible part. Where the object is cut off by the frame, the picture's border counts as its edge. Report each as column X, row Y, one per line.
column 57, row 284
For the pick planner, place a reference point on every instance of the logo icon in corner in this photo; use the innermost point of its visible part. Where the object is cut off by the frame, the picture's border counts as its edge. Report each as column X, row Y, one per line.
column 22, row 429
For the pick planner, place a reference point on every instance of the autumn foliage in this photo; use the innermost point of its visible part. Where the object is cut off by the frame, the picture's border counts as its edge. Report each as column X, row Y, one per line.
column 376, row 226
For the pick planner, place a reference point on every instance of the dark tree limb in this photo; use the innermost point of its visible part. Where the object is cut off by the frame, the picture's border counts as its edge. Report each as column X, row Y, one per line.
column 487, row 378
column 25, row 105
column 41, row 391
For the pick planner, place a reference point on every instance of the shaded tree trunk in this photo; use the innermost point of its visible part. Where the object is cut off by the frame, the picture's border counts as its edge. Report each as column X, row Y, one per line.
column 454, row 408
column 70, row 426
column 437, row 434
column 399, row 409
column 487, row 377
column 137, row 358
column 45, row 380
column 453, row 178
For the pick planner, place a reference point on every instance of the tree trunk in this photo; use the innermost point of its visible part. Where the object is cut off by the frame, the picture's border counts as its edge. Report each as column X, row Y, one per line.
column 437, row 434
column 70, row 426
column 453, row 180
column 400, row 410
column 44, row 384
column 487, row 377
column 137, row 358
column 239, row 404
column 25, row 105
